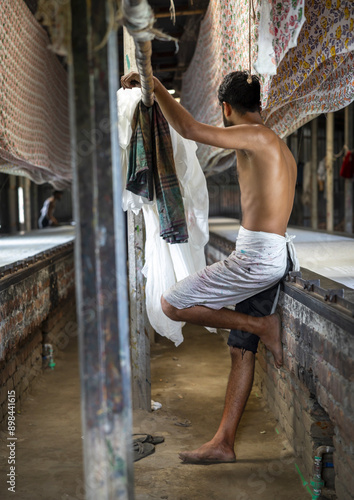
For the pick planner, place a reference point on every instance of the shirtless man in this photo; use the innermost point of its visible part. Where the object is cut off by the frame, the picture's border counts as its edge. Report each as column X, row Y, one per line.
column 267, row 176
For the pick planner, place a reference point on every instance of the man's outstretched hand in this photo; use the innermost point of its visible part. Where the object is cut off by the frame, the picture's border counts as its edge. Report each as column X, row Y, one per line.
column 130, row 80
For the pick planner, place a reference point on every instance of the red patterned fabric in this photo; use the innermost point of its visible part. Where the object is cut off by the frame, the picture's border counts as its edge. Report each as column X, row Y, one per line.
column 34, row 119
column 347, row 168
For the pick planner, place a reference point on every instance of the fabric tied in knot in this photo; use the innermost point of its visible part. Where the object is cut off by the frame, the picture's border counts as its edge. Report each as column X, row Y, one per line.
column 292, row 251
column 151, row 165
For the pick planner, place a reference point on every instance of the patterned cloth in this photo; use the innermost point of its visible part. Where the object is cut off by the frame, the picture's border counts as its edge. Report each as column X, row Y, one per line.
column 34, row 114
column 151, row 159
column 315, row 76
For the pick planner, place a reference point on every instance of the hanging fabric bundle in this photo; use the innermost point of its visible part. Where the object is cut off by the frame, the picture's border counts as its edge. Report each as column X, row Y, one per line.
column 151, row 164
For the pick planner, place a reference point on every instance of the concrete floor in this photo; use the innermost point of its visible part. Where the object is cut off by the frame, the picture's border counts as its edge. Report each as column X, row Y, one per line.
column 190, row 383
column 23, row 245
column 330, row 255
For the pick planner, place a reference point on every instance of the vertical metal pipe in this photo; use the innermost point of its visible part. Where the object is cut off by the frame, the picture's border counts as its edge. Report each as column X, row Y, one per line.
column 348, row 183
column 314, row 165
column 100, row 262
column 329, row 170
column 139, row 323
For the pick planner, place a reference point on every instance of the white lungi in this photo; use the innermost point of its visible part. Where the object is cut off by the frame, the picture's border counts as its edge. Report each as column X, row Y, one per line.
column 258, row 262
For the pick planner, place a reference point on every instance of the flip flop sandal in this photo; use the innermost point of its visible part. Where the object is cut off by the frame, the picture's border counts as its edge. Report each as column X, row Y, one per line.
column 142, row 450
column 147, row 438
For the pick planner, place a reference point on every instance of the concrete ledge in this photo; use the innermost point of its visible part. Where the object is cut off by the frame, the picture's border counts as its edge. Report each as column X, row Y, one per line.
column 37, row 306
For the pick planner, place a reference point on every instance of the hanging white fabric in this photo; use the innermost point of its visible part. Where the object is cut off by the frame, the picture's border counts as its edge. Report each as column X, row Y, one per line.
column 165, row 264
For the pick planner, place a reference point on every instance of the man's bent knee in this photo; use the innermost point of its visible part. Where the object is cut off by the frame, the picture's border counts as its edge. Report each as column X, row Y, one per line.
column 170, row 311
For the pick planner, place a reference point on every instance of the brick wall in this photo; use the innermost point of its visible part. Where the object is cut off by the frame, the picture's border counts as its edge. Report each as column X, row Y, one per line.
column 312, row 395
column 37, row 306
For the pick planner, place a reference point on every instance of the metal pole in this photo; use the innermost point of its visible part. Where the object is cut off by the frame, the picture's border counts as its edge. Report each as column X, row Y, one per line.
column 139, row 323
column 100, row 258
column 314, row 165
column 329, row 169
column 348, row 183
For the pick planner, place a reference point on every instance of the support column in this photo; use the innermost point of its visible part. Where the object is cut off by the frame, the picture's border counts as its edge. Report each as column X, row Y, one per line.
column 27, row 201
column 13, row 203
column 139, row 324
column 100, row 256
column 314, row 165
column 34, row 205
column 348, row 184
column 329, row 170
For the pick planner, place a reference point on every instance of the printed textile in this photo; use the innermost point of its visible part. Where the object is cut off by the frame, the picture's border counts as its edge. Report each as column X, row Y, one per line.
column 34, row 118
column 151, row 158
column 310, row 46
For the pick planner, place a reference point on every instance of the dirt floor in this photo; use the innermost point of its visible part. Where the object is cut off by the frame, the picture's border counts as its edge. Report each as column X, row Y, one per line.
column 189, row 382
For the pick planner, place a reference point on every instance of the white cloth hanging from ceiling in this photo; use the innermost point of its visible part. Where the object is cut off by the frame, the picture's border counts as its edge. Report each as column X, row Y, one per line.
column 165, row 264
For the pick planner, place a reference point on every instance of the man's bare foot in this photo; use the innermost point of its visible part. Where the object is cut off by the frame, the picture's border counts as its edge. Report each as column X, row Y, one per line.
column 209, row 453
column 272, row 338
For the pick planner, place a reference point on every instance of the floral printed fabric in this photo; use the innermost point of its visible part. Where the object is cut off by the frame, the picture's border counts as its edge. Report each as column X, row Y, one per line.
column 34, row 120
column 315, row 76
column 279, row 28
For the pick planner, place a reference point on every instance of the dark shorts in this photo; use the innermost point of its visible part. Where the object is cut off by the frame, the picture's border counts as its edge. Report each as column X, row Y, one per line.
column 43, row 222
column 258, row 305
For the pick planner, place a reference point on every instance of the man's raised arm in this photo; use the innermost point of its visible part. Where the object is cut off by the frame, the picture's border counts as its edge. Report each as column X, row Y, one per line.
column 234, row 137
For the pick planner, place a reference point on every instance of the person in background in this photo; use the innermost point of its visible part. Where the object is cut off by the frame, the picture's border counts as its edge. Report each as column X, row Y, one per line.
column 46, row 217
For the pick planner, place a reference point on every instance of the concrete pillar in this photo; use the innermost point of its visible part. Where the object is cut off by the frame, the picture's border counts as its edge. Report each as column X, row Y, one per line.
column 100, row 256
column 314, row 166
column 348, row 183
column 139, row 324
column 329, row 170
column 34, row 205
column 27, row 202
column 13, row 210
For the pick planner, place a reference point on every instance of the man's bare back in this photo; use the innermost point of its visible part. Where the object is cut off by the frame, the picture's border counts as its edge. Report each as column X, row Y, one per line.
column 267, row 177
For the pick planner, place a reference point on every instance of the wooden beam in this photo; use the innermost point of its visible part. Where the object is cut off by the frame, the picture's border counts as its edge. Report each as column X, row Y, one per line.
column 314, row 167
column 329, row 170
column 27, row 203
column 100, row 257
column 12, row 200
column 166, row 13
column 348, row 183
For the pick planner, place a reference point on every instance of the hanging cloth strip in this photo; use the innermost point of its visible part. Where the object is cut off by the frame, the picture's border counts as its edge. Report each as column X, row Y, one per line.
column 151, row 159
column 347, row 168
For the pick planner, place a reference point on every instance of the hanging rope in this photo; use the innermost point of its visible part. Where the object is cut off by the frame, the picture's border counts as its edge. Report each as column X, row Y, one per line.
column 249, row 78
column 173, row 12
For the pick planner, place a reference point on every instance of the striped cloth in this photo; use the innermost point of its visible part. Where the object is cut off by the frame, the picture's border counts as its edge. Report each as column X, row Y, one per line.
column 151, row 164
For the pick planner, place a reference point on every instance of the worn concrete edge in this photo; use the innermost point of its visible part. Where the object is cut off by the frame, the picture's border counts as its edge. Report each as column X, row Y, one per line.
column 22, row 269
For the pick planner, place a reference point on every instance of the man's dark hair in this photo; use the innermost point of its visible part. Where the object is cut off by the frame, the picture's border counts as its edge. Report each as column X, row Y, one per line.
column 57, row 192
column 241, row 96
